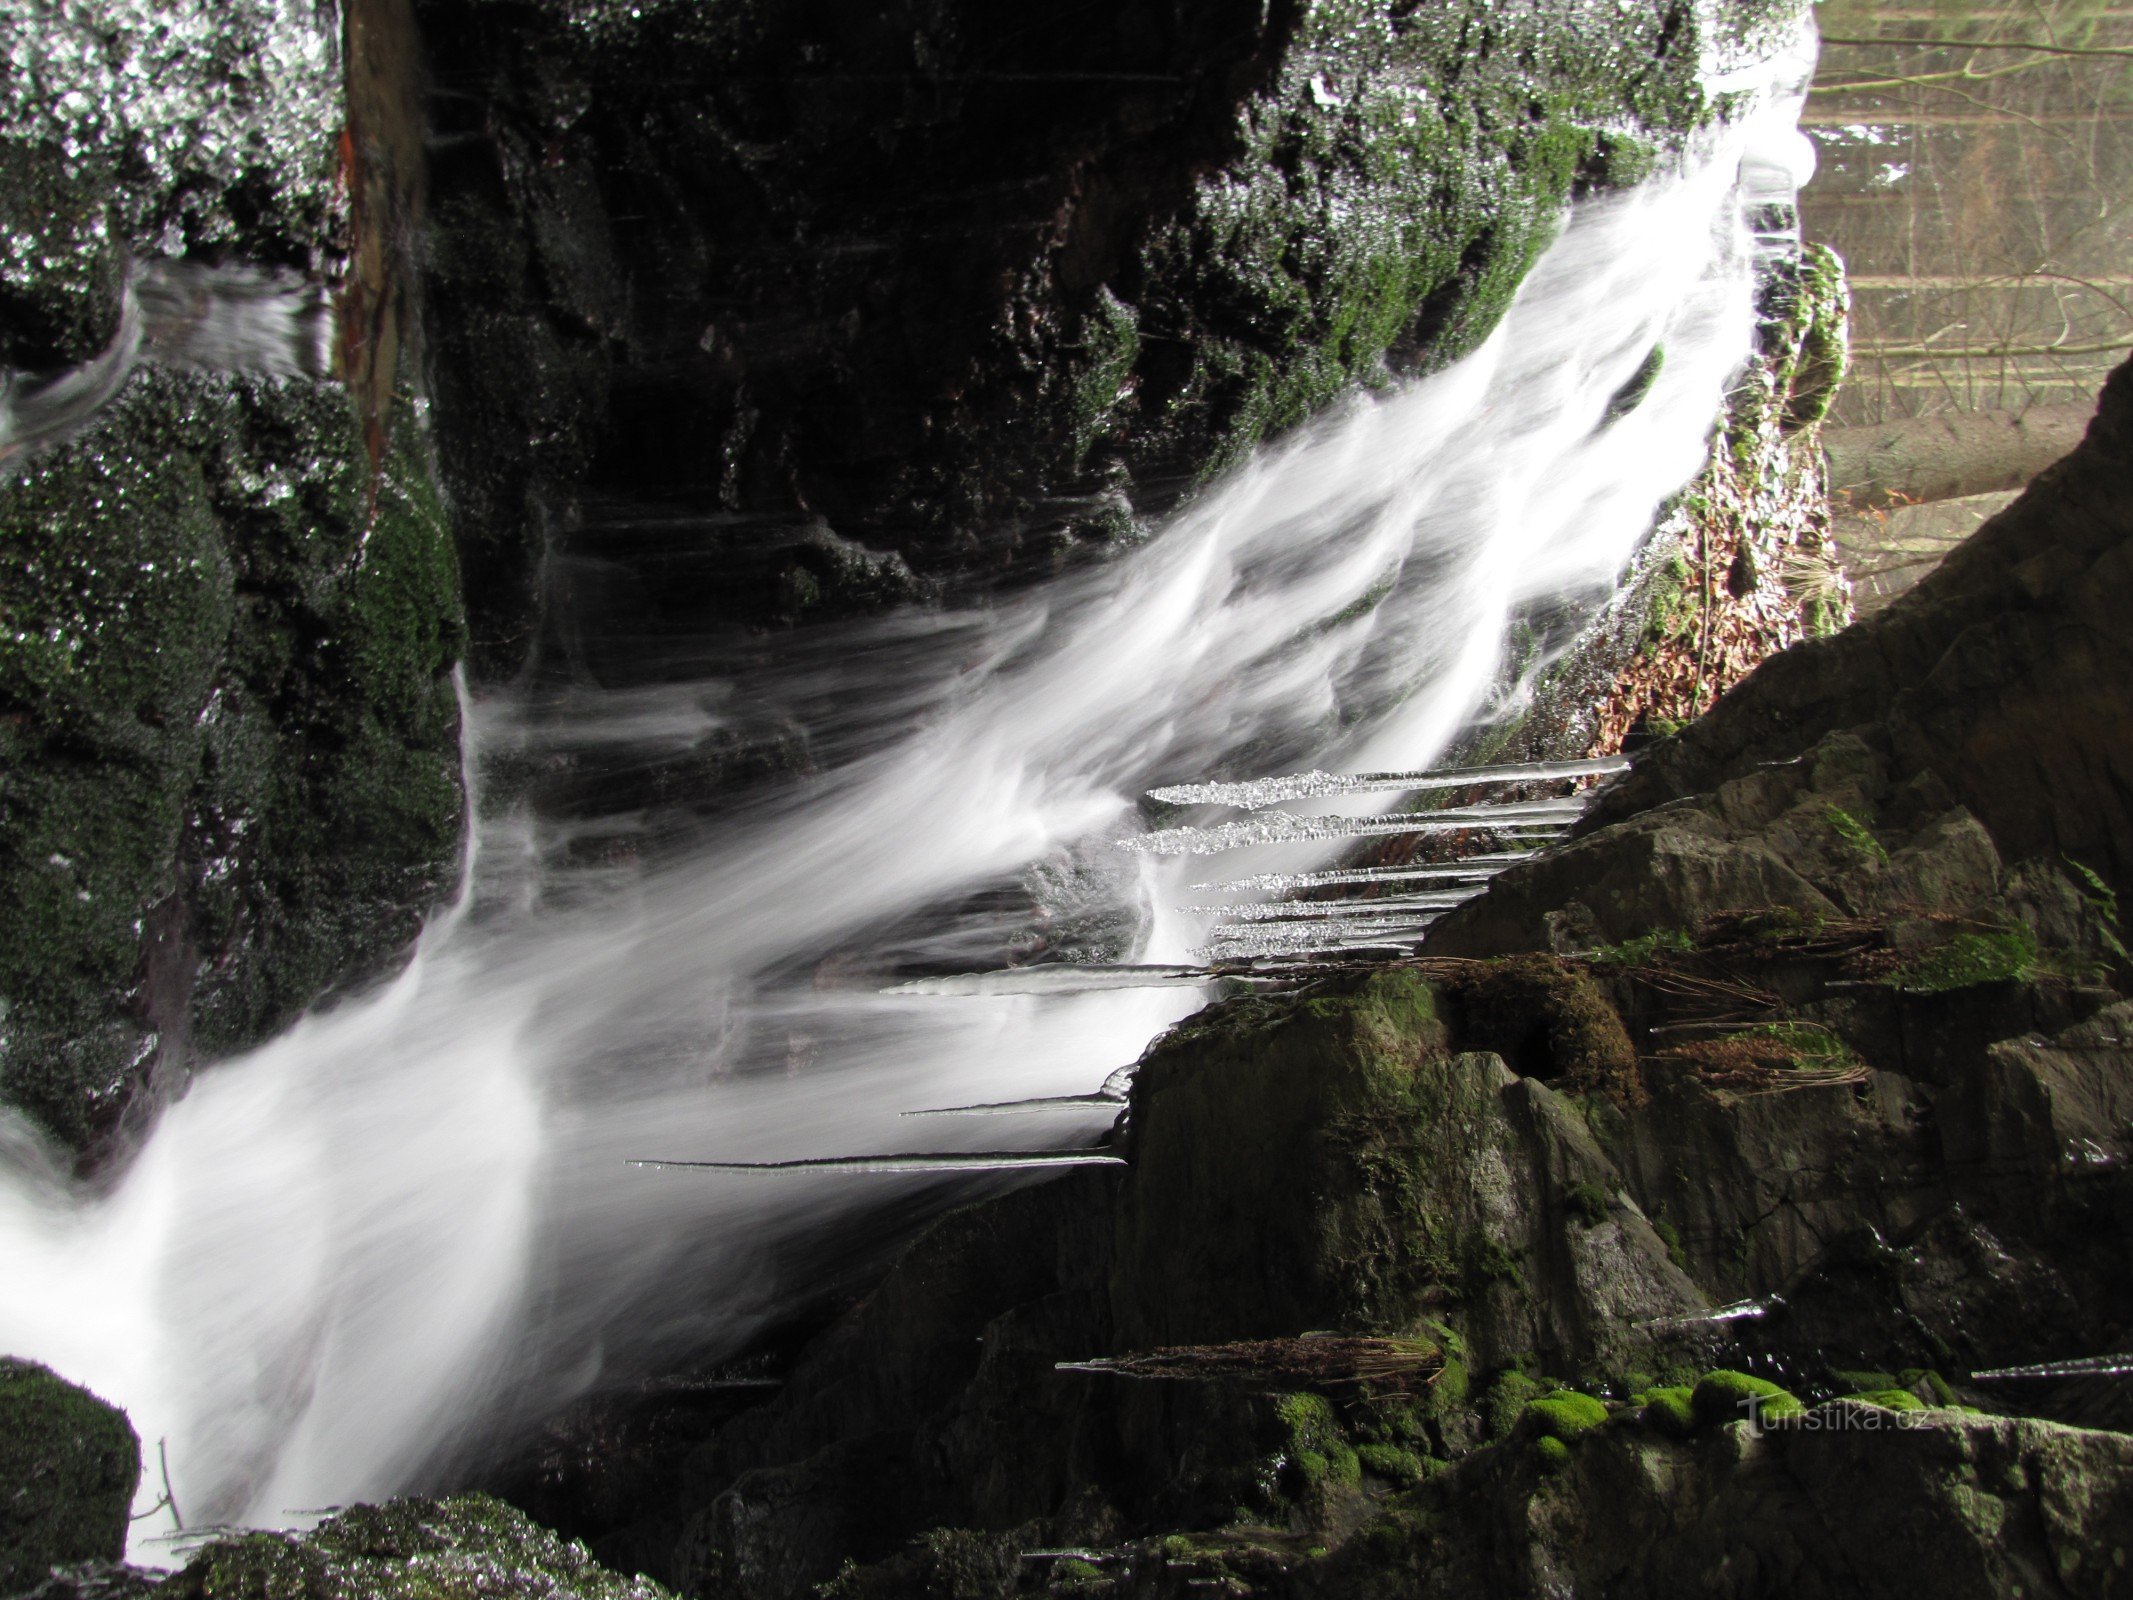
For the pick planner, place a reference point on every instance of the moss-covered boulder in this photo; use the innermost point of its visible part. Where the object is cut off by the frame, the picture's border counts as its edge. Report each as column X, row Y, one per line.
column 1386, row 1168
column 68, row 1467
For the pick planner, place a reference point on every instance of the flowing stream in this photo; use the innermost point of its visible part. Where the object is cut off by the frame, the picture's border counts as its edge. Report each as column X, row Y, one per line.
column 412, row 1222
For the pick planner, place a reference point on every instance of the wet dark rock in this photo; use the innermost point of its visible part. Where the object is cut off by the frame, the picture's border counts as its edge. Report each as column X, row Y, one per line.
column 229, row 605
column 68, row 1466
column 227, row 730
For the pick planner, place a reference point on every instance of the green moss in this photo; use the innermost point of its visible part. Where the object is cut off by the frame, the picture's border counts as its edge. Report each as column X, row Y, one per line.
column 225, row 713
column 1640, row 951
column 1668, row 1410
column 1449, row 1391
column 2004, row 955
column 1632, row 394
column 1548, row 1019
column 1333, row 1108
column 1308, row 1422
column 1822, row 313
column 1670, row 1236
column 1888, row 1399
column 1506, row 1399
column 1073, row 1570
column 1856, row 834
column 1724, row 1396
column 1809, row 1046
column 1670, row 599
column 68, row 1466
column 1392, row 1463
column 1586, row 1203
column 1552, row 1453
column 1564, row 1414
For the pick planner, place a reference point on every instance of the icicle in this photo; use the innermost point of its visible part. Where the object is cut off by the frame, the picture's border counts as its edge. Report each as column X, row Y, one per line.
column 1279, row 938
column 1736, row 1311
column 1257, row 793
column 2117, row 1366
column 1469, row 869
column 1524, row 817
column 1283, row 909
column 1003, row 1108
column 1059, row 977
column 977, row 1161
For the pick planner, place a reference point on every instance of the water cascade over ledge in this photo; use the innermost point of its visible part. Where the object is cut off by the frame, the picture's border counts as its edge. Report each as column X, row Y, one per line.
column 413, row 1221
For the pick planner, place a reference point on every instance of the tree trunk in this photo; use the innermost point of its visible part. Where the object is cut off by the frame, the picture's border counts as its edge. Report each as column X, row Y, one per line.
column 1941, row 458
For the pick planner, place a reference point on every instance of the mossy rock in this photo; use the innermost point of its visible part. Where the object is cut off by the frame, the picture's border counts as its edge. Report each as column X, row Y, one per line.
column 1394, row 1463
column 1337, row 1120
column 1548, row 1019
column 470, row 1547
column 1586, row 1203
column 1563, row 1414
column 1724, row 1396
column 947, row 1564
column 1669, row 1410
column 229, row 768
column 69, row 1464
column 1887, row 1399
column 1505, row 1400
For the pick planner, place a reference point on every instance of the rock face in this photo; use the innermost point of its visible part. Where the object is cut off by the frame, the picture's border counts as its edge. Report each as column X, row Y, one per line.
column 1848, row 1500
column 972, row 289
column 229, row 775
column 2001, row 675
column 68, row 1466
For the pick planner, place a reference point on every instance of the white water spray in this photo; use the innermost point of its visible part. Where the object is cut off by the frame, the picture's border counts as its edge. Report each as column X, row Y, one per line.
column 414, row 1217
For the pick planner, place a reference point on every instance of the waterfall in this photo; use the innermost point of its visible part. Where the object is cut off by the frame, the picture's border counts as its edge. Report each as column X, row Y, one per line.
column 413, row 1220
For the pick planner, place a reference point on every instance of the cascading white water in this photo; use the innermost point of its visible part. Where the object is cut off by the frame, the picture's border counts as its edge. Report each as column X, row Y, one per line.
column 413, row 1216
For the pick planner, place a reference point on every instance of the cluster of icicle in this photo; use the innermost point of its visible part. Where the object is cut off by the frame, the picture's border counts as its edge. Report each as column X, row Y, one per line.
column 1294, row 930
column 1268, row 941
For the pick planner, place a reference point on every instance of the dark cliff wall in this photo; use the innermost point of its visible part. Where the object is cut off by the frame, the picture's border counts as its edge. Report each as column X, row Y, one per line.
column 971, row 285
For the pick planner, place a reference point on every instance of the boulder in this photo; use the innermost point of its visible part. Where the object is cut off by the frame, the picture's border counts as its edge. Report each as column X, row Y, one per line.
column 68, row 1467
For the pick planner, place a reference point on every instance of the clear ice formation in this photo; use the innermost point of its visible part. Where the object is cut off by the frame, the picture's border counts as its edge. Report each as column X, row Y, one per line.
column 1257, row 793
column 1005, row 1108
column 1523, row 817
column 1059, row 977
column 1282, row 910
column 1467, row 869
column 973, row 1161
column 2081, row 1367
